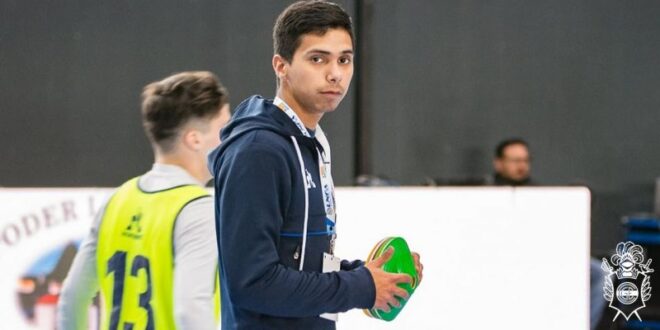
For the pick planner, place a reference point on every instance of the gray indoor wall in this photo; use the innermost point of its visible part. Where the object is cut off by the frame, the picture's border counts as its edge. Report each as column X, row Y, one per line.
column 578, row 79
column 440, row 82
column 71, row 74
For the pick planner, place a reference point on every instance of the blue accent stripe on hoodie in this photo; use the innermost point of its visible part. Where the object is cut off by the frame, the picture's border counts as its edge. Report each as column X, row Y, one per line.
column 309, row 233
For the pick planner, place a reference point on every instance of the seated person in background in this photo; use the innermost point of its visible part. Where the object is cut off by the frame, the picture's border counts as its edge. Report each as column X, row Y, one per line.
column 512, row 164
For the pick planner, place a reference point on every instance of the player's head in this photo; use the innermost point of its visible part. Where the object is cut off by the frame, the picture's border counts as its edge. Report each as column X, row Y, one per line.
column 305, row 17
column 183, row 114
column 313, row 54
column 512, row 160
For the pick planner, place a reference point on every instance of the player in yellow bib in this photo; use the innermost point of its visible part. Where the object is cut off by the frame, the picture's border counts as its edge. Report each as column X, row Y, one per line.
column 134, row 255
column 151, row 251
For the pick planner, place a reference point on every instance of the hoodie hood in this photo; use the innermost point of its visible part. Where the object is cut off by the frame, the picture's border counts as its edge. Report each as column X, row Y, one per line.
column 254, row 113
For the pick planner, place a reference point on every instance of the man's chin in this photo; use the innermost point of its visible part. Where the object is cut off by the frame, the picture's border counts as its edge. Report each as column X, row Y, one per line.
column 330, row 106
column 521, row 179
column 327, row 109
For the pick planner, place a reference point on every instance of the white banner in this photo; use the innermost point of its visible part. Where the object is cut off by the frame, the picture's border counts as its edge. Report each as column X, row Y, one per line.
column 494, row 258
column 40, row 230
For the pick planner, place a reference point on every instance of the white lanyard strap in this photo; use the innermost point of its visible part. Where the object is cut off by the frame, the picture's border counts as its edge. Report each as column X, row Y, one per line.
column 327, row 184
column 294, row 117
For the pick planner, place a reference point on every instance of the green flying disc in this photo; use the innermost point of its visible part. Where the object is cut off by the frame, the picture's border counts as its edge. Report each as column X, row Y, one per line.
column 401, row 262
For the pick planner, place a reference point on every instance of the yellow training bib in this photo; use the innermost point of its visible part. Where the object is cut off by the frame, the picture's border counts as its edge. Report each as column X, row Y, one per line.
column 135, row 259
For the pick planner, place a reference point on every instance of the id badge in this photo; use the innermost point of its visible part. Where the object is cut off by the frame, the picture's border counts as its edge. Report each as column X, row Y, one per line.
column 330, row 264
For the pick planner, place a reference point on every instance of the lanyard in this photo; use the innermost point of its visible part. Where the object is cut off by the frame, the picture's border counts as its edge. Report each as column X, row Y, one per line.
column 327, row 184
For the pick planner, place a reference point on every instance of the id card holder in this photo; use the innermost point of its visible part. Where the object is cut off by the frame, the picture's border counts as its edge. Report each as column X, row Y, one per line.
column 330, row 264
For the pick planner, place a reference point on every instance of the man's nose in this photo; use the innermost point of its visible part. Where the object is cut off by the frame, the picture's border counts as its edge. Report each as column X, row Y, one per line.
column 334, row 74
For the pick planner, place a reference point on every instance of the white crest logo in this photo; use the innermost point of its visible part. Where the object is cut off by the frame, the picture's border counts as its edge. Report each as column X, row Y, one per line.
column 633, row 286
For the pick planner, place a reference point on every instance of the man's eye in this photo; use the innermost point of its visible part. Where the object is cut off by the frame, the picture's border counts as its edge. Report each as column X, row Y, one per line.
column 345, row 60
column 317, row 59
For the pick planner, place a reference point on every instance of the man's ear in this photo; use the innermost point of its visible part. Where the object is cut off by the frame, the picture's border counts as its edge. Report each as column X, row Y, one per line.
column 192, row 139
column 280, row 66
column 497, row 164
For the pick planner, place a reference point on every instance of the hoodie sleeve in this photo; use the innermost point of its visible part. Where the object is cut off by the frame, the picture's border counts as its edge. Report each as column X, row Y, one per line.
column 81, row 283
column 254, row 190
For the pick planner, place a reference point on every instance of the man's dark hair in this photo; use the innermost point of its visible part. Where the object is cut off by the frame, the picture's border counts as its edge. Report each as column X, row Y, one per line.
column 169, row 104
column 499, row 150
column 305, row 17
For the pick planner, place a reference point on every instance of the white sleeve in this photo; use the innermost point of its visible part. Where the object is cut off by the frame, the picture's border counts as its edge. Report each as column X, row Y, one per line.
column 195, row 264
column 81, row 284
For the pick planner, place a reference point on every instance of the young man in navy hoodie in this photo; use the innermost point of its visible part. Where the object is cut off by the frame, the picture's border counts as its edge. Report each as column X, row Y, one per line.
column 275, row 214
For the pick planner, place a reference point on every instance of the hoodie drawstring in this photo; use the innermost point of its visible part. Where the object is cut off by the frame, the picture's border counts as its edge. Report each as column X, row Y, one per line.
column 304, row 180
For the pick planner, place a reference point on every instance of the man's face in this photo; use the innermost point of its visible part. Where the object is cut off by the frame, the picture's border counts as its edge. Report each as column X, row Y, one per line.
column 515, row 163
column 320, row 72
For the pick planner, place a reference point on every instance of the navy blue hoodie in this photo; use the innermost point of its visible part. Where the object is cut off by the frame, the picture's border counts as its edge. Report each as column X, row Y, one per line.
column 260, row 206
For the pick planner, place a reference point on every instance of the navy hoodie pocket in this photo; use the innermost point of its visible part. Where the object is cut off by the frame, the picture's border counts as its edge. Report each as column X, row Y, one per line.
column 290, row 251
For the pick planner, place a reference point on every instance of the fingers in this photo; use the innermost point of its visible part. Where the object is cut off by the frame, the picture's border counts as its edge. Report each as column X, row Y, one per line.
column 418, row 264
column 393, row 292
column 387, row 304
column 394, row 302
column 394, row 299
column 419, row 267
column 384, row 258
column 402, row 278
column 385, row 308
column 403, row 294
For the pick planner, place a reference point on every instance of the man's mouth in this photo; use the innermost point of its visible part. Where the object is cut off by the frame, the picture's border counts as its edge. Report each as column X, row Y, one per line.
column 331, row 92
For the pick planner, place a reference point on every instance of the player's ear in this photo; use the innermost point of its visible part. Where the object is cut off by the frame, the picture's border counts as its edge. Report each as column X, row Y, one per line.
column 280, row 66
column 192, row 139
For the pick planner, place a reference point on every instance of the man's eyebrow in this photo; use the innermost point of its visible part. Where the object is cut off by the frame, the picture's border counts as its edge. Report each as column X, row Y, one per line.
column 318, row 51
column 325, row 52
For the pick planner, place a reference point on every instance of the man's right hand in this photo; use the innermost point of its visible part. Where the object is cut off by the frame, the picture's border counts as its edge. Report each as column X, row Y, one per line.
column 386, row 283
